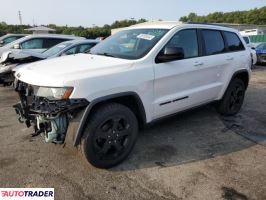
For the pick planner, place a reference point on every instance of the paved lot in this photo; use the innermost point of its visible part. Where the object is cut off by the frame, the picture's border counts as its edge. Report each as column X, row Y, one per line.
column 196, row 155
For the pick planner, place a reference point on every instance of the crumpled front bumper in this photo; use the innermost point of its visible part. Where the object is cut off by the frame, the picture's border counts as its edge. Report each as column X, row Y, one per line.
column 44, row 114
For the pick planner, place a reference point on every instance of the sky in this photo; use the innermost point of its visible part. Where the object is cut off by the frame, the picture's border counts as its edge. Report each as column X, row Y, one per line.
column 88, row 13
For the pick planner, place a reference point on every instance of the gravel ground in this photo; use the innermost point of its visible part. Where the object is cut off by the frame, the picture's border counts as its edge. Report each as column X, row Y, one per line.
column 195, row 155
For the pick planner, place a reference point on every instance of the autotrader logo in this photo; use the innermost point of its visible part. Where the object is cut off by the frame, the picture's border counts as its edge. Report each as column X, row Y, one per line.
column 27, row 193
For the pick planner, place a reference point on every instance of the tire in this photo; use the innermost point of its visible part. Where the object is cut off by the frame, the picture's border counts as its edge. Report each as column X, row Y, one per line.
column 233, row 98
column 109, row 135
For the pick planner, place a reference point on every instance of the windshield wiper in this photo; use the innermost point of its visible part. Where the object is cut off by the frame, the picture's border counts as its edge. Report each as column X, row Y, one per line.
column 105, row 54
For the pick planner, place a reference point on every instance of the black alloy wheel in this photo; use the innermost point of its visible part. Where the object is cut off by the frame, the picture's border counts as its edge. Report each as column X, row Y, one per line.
column 110, row 135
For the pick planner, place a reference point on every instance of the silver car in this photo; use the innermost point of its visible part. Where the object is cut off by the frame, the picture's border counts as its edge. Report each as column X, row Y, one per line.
column 8, row 38
column 14, row 60
column 37, row 43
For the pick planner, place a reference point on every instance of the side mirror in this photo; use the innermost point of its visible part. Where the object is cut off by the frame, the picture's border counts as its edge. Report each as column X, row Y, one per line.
column 170, row 54
column 16, row 46
column 1, row 43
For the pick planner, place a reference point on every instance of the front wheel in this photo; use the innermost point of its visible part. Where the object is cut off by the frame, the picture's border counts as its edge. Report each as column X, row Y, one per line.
column 110, row 135
column 233, row 98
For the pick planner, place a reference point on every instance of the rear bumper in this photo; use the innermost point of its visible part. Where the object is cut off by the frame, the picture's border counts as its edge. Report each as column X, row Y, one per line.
column 261, row 58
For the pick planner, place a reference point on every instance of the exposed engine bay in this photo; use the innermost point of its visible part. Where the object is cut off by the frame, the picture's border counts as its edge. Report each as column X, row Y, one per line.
column 50, row 118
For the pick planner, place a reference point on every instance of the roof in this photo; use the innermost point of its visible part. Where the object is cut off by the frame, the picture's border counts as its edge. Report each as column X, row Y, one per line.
column 81, row 41
column 173, row 24
column 157, row 24
column 54, row 36
column 12, row 34
column 40, row 28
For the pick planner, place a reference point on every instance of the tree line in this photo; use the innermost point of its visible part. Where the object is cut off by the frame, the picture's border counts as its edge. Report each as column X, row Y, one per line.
column 92, row 32
column 253, row 16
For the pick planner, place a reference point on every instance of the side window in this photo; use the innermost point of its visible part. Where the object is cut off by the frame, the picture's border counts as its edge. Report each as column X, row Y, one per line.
column 233, row 42
column 85, row 47
column 214, row 43
column 10, row 39
column 36, row 43
column 71, row 51
column 186, row 39
column 50, row 42
column 246, row 40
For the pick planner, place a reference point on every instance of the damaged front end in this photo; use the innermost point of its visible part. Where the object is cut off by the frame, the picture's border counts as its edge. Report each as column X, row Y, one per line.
column 49, row 116
column 10, row 60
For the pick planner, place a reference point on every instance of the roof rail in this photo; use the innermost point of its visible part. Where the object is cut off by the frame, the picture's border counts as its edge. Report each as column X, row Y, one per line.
column 203, row 23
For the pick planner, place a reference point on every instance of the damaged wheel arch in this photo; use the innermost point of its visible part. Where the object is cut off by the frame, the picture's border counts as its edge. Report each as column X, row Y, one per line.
column 129, row 99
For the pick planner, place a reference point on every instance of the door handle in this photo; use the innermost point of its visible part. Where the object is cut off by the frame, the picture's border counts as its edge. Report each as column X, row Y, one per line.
column 230, row 58
column 198, row 64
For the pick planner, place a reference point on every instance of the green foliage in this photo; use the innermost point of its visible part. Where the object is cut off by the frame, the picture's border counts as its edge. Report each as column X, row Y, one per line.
column 5, row 28
column 254, row 16
column 92, row 32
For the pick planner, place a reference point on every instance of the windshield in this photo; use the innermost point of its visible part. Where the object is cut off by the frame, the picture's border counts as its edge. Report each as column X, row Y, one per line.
column 129, row 44
column 56, row 49
column 261, row 46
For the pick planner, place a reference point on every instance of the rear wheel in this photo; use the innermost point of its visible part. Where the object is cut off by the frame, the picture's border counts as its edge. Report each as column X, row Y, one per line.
column 233, row 98
column 110, row 135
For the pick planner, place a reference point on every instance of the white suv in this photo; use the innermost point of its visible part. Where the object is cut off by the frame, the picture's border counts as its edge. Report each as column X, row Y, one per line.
column 98, row 101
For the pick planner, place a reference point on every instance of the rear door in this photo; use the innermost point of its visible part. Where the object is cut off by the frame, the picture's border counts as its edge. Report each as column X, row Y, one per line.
column 194, row 80
column 237, row 55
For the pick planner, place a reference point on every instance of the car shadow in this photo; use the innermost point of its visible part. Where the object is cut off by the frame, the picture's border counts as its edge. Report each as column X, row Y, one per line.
column 189, row 137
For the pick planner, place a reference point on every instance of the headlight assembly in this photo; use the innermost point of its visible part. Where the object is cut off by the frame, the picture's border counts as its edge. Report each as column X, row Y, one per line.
column 53, row 93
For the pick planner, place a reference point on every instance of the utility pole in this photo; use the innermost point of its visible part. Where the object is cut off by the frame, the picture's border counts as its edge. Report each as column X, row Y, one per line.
column 20, row 17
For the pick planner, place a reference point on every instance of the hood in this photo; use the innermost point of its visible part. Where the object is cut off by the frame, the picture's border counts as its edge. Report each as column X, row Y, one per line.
column 3, row 49
column 26, row 53
column 59, row 71
column 20, row 56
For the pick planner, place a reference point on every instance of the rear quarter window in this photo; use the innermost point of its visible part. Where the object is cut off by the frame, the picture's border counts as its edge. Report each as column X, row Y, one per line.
column 233, row 42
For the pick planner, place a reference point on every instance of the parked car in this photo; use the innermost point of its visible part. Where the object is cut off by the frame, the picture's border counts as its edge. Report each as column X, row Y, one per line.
column 98, row 101
column 37, row 42
column 11, row 61
column 8, row 38
column 261, row 53
column 252, row 50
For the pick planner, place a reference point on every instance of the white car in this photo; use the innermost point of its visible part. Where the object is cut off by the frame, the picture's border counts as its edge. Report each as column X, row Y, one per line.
column 98, row 101
column 252, row 50
column 37, row 42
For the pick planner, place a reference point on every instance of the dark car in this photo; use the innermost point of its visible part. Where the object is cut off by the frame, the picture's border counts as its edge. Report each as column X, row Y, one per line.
column 261, row 53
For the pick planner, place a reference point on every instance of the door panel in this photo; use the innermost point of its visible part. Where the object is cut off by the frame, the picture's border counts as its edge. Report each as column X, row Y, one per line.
column 183, row 84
